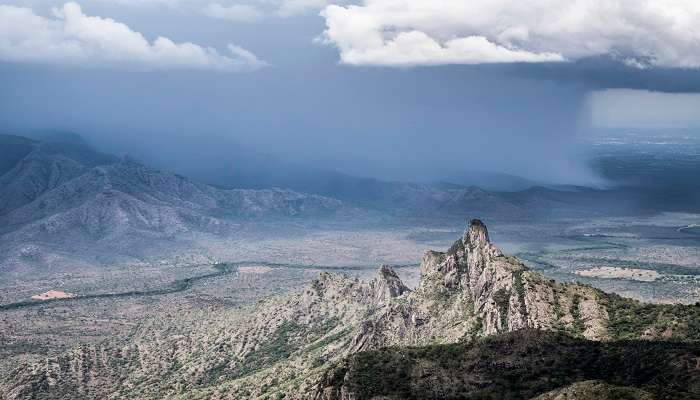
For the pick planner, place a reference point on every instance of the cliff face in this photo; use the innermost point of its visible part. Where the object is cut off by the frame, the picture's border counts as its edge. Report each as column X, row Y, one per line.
column 287, row 345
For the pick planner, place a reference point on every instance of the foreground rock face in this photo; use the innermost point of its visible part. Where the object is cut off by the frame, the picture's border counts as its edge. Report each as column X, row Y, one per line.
column 285, row 346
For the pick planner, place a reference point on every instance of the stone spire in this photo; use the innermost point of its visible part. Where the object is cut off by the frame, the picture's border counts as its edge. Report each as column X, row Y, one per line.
column 476, row 234
column 478, row 248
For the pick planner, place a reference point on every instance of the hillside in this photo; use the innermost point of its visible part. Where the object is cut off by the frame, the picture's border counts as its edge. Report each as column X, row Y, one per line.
column 14, row 148
column 58, row 198
column 520, row 365
column 285, row 346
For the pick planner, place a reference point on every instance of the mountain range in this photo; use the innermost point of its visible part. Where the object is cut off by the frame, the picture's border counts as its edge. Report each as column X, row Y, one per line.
column 62, row 202
column 65, row 197
column 479, row 325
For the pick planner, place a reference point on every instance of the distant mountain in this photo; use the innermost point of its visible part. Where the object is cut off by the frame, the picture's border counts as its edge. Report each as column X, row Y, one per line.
column 32, row 168
column 61, row 201
column 55, row 136
column 59, row 196
column 14, row 148
column 496, row 181
column 480, row 324
column 67, row 195
column 483, row 193
column 649, row 178
column 366, row 192
column 235, row 165
column 371, row 192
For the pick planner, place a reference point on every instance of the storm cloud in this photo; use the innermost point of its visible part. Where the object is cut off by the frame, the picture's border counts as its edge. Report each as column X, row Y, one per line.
column 427, row 122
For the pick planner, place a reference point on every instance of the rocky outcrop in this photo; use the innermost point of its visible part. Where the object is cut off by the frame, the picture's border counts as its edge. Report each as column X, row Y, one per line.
column 388, row 285
column 474, row 290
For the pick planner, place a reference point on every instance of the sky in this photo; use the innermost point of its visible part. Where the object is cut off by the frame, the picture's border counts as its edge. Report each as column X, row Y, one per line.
column 393, row 89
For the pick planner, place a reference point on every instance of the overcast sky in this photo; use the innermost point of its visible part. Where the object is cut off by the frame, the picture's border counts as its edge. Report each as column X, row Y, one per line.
column 398, row 89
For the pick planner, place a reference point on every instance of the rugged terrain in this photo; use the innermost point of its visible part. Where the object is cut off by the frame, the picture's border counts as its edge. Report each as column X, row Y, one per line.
column 64, row 203
column 297, row 346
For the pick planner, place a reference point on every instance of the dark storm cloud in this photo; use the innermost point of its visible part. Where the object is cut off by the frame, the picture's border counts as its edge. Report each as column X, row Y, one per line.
column 603, row 73
column 411, row 124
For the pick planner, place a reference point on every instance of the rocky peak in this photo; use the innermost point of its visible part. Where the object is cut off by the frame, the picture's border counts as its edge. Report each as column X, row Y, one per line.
column 476, row 234
column 339, row 288
column 387, row 284
column 478, row 247
column 465, row 260
column 329, row 283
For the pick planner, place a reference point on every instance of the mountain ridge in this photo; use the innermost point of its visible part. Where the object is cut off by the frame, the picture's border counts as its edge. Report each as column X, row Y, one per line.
column 68, row 196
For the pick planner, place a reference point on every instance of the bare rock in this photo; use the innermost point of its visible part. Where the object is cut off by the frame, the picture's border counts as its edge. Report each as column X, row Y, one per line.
column 387, row 284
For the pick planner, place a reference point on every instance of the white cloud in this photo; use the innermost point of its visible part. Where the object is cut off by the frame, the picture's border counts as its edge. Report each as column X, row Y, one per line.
column 236, row 12
column 641, row 33
column 73, row 38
